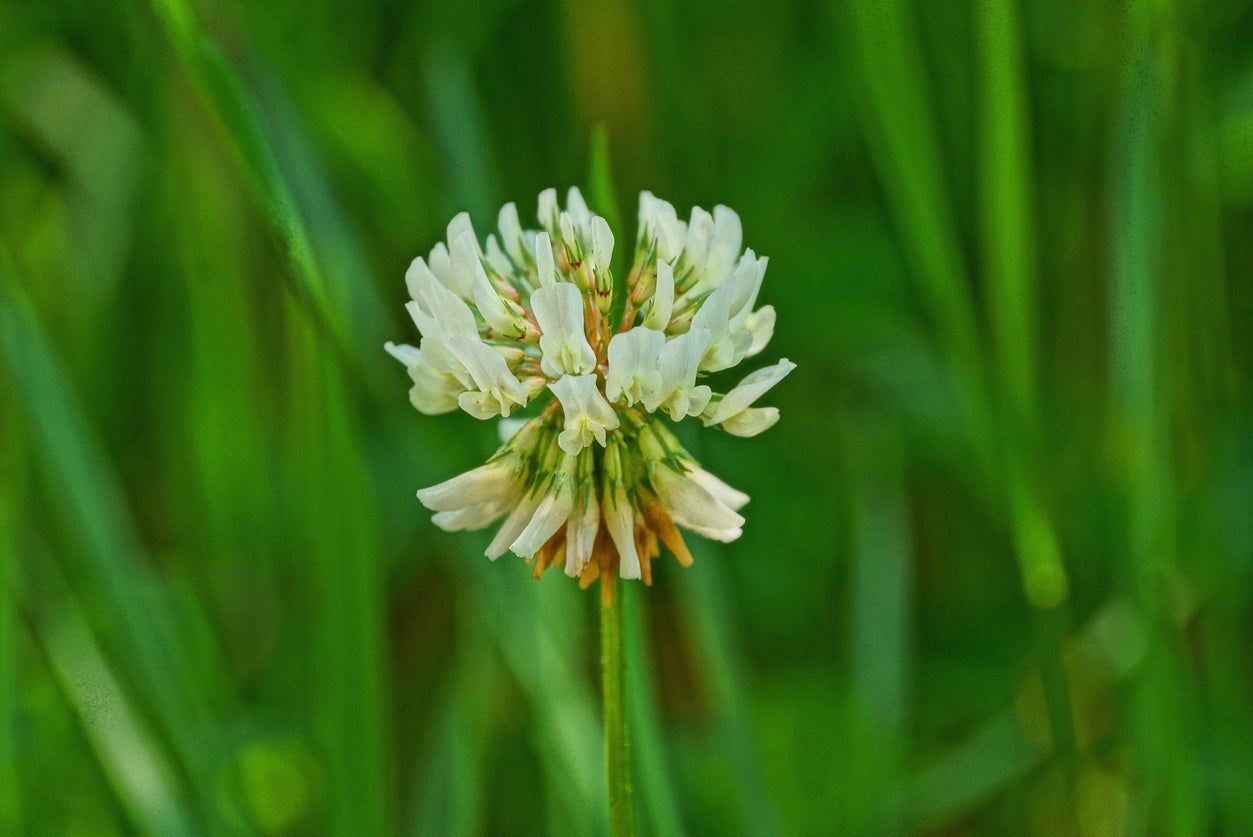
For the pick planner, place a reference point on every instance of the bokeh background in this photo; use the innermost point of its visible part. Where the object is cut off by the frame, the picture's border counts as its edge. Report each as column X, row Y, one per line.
column 998, row 571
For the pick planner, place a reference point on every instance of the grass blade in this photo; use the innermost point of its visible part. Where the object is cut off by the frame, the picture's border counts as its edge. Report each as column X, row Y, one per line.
column 12, row 512
column 108, row 552
column 1005, row 201
column 652, row 770
column 334, row 503
column 707, row 608
column 880, row 633
column 141, row 775
column 905, row 149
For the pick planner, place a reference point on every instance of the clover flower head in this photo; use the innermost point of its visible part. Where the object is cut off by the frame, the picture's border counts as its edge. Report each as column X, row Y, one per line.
column 595, row 481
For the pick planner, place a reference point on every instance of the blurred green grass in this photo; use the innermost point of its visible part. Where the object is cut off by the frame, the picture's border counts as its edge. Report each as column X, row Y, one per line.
column 997, row 571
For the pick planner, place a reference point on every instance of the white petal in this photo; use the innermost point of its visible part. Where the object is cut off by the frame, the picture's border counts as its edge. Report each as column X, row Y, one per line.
column 465, row 263
column 647, row 215
column 750, row 422
column 498, row 389
column 434, row 391
column 419, row 277
column 513, row 526
column 678, row 365
column 440, row 313
column 550, row 515
column 471, row 517
column 715, row 311
column 403, row 352
column 506, row 429
column 760, row 325
column 659, row 223
column 747, row 391
column 496, row 257
column 587, row 415
column 732, row 498
column 713, row 251
column 602, row 243
column 663, row 298
column 544, row 260
column 558, row 309
column 700, row 232
column 577, row 208
column 620, row 521
column 714, row 315
column 440, row 261
column 727, row 228
column 490, row 481
column 633, row 364
column 511, row 232
column 570, row 229
column 461, row 225
column 491, row 306
column 689, row 503
column 695, row 400
column 548, row 209
column 581, row 534
column 481, row 405
column 721, row 535
column 747, row 280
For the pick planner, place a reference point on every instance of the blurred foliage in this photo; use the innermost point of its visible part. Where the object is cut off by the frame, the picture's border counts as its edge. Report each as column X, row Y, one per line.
column 998, row 571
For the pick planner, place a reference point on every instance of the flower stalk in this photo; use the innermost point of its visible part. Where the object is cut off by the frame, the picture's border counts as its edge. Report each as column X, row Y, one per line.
column 621, row 792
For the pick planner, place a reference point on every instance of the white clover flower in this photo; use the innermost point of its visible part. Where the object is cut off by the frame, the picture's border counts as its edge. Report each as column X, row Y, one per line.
column 588, row 415
column 559, row 312
column 633, row 365
column 592, row 478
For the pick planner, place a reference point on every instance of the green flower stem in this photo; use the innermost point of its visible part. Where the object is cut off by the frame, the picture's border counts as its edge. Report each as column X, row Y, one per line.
column 617, row 737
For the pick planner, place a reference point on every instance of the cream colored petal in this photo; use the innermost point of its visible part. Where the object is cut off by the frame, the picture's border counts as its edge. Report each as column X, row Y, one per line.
column 587, row 416
column 760, row 325
column 663, row 298
column 620, row 521
column 440, row 261
column 488, row 482
column 732, row 498
column 720, row 535
column 576, row 207
column 497, row 258
column 465, row 264
column 495, row 313
column 677, row 365
column 418, row 277
column 581, row 533
column 547, row 209
column 700, row 232
column 441, row 314
column 714, row 315
column 471, row 518
column 559, row 312
column 511, row 236
column 750, row 422
column 748, row 391
column 689, row 503
column 602, row 242
column 547, row 272
column 461, row 225
column 513, row 526
column 550, row 515
column 403, row 352
column 633, row 364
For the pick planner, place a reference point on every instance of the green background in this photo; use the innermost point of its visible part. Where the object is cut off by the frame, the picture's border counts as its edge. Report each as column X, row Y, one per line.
column 997, row 575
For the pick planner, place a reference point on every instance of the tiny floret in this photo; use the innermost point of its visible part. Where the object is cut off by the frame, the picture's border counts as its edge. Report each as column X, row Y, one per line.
column 533, row 322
